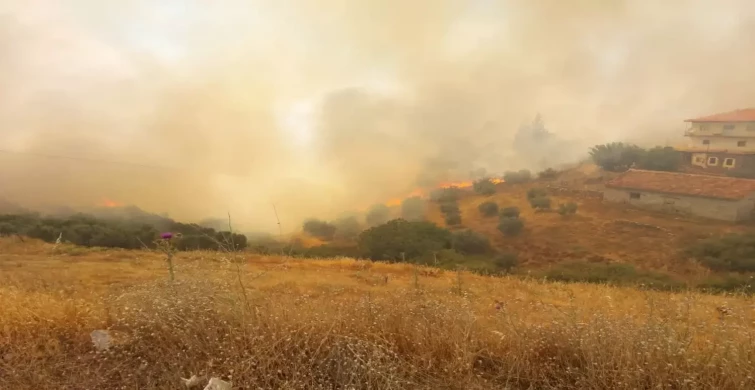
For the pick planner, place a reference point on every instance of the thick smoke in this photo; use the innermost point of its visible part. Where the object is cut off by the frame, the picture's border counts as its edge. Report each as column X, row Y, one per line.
column 194, row 96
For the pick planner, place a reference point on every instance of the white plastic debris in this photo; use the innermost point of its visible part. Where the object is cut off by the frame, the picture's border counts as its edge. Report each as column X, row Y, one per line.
column 101, row 339
column 218, row 384
column 194, row 381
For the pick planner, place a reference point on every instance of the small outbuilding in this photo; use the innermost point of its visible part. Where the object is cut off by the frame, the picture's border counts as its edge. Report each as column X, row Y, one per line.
column 715, row 197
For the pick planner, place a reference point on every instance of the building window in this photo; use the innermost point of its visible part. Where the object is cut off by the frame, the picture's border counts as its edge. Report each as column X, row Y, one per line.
column 634, row 195
column 703, row 128
column 713, row 161
column 729, row 127
column 699, row 159
column 729, row 163
column 706, row 142
column 741, row 143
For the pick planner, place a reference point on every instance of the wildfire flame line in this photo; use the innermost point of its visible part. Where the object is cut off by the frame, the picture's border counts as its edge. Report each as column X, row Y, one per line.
column 422, row 192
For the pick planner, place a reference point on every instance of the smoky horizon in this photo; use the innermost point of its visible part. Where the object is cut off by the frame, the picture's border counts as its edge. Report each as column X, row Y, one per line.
column 325, row 108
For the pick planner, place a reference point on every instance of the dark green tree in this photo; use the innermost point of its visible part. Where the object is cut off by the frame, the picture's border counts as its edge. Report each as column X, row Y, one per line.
column 510, row 212
column 394, row 238
column 660, row 158
column 510, row 226
column 470, row 242
column 488, row 209
column 484, row 187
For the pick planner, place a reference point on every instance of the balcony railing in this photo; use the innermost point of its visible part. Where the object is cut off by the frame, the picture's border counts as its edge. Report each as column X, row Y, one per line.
column 694, row 132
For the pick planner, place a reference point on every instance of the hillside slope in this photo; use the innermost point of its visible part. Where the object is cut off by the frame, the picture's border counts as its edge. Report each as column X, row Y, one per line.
column 600, row 232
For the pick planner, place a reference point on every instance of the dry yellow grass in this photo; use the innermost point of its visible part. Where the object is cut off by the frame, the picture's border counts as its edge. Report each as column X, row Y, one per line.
column 601, row 231
column 270, row 322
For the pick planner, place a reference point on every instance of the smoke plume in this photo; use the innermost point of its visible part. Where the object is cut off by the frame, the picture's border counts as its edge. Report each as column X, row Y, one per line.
column 322, row 107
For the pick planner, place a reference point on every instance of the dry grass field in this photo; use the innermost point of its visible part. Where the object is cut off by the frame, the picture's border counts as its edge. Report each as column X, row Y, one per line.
column 277, row 323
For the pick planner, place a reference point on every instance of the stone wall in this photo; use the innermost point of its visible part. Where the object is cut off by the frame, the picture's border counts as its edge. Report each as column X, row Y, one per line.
column 704, row 207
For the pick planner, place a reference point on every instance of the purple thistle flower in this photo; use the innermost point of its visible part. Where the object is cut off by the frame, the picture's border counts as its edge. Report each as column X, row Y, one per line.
column 166, row 236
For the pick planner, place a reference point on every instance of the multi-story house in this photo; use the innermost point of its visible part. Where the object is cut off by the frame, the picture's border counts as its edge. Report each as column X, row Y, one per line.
column 722, row 144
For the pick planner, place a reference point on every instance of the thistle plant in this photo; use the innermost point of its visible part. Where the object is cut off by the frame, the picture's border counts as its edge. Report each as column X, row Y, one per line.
column 165, row 245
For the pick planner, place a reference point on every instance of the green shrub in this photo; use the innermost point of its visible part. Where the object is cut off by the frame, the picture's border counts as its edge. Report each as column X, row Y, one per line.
column 744, row 284
column 453, row 219
column 505, row 262
column 46, row 233
column 510, row 226
column 266, row 244
column 452, row 260
column 533, row 193
column 378, row 215
column 484, row 187
column 232, row 241
column 510, row 212
column 320, row 229
column 522, row 176
column 488, row 209
column 549, row 174
column 414, row 239
column 327, row 251
column 660, row 158
column 541, row 203
column 567, row 208
column 592, row 272
column 7, row 229
column 616, row 156
column 620, row 274
column 448, row 194
column 413, row 209
column 129, row 232
column 732, row 252
column 347, row 227
column 449, row 208
column 225, row 241
column 470, row 242
column 446, row 258
column 191, row 242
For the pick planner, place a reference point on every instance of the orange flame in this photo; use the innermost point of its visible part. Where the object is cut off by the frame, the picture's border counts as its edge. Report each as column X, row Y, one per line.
column 458, row 184
column 421, row 192
column 110, row 203
column 397, row 201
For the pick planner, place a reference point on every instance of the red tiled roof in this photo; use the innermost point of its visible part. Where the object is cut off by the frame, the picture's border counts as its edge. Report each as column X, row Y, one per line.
column 719, row 187
column 743, row 115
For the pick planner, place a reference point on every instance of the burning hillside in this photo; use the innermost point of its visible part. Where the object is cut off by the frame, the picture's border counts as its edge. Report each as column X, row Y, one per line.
column 424, row 192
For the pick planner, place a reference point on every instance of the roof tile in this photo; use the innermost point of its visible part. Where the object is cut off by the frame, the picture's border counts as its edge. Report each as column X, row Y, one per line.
column 719, row 187
column 743, row 115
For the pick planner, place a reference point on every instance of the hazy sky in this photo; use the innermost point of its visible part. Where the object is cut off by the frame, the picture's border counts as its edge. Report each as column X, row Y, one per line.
column 330, row 105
